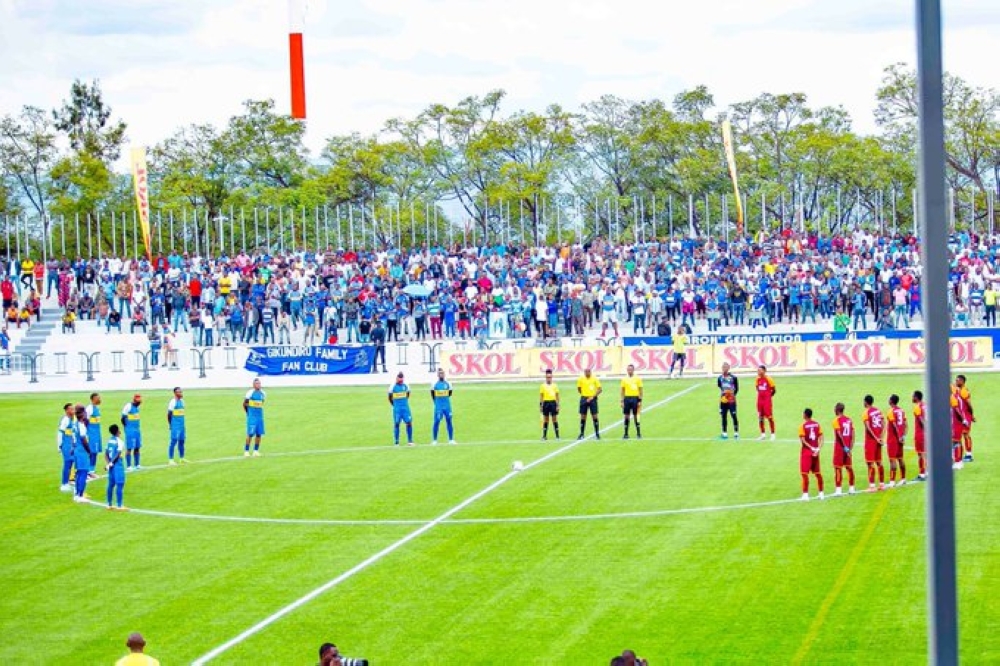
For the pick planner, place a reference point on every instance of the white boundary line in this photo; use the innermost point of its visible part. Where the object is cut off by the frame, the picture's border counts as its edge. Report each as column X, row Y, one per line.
column 272, row 521
column 388, row 550
column 456, row 521
column 653, row 513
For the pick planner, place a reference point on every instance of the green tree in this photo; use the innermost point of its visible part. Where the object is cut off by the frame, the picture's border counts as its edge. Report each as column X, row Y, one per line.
column 83, row 181
column 86, row 120
column 458, row 147
column 532, row 150
column 606, row 170
column 27, row 154
column 384, row 179
column 267, row 147
column 972, row 124
column 194, row 167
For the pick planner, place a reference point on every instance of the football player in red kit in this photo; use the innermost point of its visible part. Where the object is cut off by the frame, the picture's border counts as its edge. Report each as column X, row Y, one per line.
column 811, row 438
column 963, row 392
column 765, row 403
column 919, row 445
column 894, row 441
column 874, row 429
column 959, row 424
column 843, row 446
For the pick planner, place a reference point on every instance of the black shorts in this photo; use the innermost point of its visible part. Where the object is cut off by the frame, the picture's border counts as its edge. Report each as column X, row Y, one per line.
column 729, row 407
column 630, row 405
column 588, row 406
column 550, row 408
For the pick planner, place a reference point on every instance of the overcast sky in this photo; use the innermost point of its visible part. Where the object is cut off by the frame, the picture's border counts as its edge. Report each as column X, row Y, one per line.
column 166, row 63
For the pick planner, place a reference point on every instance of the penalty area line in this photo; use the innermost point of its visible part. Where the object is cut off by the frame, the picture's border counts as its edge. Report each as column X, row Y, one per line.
column 388, row 550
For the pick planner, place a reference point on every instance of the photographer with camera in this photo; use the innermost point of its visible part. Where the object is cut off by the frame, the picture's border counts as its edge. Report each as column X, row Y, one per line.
column 628, row 658
column 329, row 655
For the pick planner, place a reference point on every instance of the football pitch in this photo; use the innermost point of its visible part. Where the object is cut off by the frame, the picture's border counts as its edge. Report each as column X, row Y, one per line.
column 680, row 546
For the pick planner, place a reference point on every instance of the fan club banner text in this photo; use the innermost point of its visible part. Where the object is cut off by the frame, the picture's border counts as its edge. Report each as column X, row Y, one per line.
column 310, row 360
column 705, row 360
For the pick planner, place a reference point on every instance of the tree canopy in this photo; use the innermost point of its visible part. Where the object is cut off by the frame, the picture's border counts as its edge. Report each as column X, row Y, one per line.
column 614, row 165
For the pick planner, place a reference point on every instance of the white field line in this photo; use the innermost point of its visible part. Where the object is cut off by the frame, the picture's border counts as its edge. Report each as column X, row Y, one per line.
column 270, row 521
column 388, row 550
column 466, row 521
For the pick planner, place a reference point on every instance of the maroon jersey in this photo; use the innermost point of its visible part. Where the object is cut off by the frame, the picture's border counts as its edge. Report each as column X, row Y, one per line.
column 897, row 425
column 843, row 440
column 919, row 410
column 810, row 433
column 765, row 390
column 874, row 425
column 958, row 418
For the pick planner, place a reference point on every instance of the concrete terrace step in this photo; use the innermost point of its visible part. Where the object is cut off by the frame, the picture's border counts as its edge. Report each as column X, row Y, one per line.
column 34, row 338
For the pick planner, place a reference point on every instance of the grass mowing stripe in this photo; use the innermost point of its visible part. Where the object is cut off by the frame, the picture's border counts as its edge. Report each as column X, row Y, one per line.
column 838, row 585
column 388, row 550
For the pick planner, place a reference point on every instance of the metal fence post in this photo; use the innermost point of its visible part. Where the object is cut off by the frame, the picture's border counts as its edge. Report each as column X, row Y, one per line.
column 88, row 363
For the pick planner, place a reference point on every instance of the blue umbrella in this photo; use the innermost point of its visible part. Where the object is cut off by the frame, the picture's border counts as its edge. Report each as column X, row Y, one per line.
column 417, row 291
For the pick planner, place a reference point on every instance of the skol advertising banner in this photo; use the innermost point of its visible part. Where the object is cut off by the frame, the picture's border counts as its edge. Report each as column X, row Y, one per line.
column 532, row 363
column 964, row 352
column 776, row 357
column 852, row 355
column 704, row 360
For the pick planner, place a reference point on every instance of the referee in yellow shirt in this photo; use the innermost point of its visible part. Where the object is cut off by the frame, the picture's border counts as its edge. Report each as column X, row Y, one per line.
column 589, row 387
column 631, row 399
column 548, row 403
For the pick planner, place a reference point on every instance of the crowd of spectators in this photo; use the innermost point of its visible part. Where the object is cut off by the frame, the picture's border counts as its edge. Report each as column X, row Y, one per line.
column 307, row 297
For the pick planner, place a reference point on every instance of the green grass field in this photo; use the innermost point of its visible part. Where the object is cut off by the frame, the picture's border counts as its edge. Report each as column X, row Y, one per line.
column 661, row 566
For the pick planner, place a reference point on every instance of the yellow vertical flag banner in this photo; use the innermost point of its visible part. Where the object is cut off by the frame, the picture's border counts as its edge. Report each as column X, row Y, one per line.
column 727, row 141
column 140, row 179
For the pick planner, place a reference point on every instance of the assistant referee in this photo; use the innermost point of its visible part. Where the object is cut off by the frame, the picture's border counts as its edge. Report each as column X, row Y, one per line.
column 589, row 388
column 548, row 404
column 631, row 399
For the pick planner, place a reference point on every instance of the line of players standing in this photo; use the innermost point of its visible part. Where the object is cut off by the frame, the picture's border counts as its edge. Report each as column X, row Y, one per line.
column 881, row 430
column 80, row 441
column 886, row 430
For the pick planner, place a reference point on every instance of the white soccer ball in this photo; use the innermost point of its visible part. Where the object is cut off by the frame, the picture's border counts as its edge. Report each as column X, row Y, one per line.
column 517, row 466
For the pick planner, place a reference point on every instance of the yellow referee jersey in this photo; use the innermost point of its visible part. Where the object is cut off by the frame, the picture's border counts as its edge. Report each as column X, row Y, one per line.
column 588, row 387
column 631, row 386
column 549, row 393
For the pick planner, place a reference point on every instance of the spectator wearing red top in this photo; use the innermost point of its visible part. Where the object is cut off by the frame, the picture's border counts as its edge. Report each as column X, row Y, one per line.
column 7, row 291
column 194, row 288
column 39, row 272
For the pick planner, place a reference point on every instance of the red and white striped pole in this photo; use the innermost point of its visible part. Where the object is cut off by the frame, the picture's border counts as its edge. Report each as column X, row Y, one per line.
column 296, row 21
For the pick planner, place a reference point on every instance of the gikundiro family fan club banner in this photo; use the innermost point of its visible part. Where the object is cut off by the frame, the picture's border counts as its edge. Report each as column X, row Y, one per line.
column 706, row 360
column 310, row 360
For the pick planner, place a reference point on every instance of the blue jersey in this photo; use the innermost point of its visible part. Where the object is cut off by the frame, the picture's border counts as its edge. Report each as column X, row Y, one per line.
column 400, row 396
column 113, row 456
column 94, row 427
column 67, row 436
column 442, row 396
column 131, row 413
column 255, row 405
column 175, row 410
column 81, row 452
